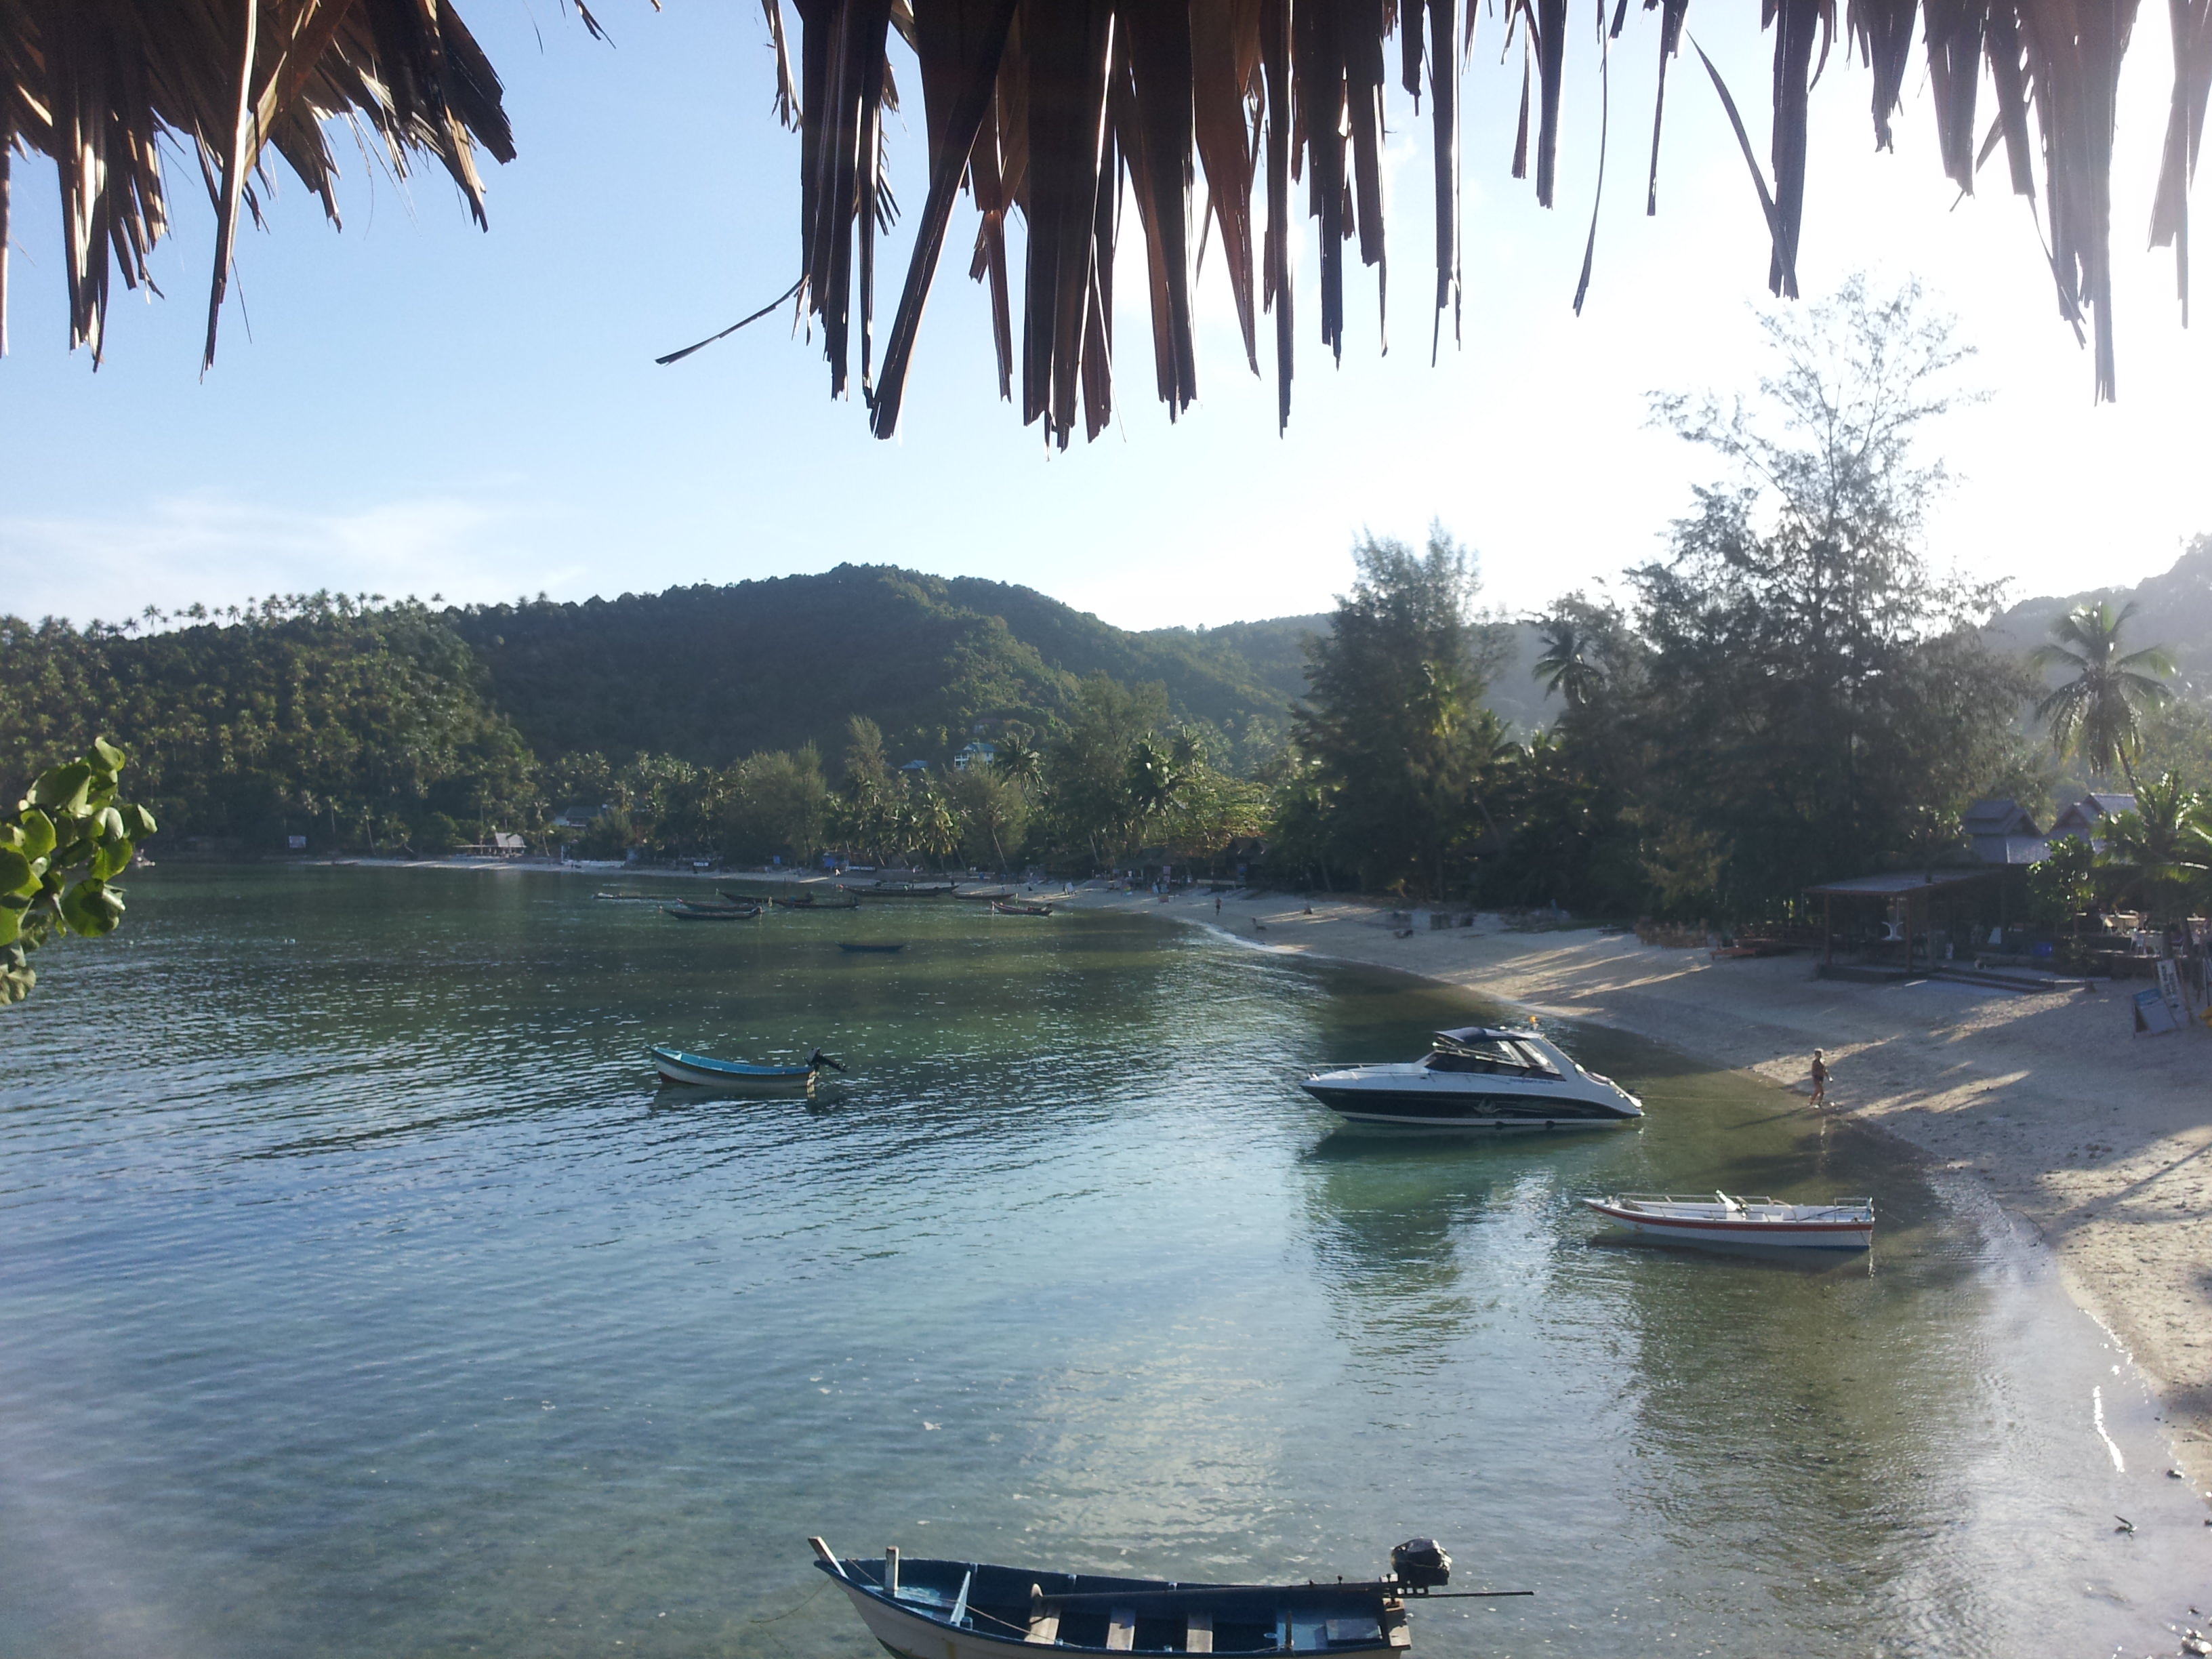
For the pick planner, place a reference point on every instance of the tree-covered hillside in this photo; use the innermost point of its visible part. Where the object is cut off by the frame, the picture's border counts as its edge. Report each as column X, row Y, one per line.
column 711, row 674
column 2173, row 609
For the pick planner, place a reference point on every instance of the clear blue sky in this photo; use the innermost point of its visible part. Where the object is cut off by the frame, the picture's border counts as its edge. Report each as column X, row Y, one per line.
column 411, row 405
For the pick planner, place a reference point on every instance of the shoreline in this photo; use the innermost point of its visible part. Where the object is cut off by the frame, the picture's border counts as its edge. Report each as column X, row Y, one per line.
column 2098, row 1140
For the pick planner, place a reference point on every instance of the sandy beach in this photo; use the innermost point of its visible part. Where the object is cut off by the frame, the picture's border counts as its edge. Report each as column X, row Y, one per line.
column 2100, row 1139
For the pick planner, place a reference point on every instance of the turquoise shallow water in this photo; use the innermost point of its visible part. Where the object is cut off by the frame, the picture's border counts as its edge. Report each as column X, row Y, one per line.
column 370, row 1300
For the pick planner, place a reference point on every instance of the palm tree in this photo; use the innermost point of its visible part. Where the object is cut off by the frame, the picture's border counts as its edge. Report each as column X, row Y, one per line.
column 2097, row 713
column 1569, row 665
column 1157, row 778
column 933, row 825
column 1017, row 763
column 2166, row 840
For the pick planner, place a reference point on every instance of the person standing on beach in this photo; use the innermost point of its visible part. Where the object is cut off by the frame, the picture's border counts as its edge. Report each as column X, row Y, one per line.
column 1819, row 1077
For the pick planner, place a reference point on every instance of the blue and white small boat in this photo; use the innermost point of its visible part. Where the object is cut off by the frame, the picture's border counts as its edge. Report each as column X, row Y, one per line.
column 701, row 1071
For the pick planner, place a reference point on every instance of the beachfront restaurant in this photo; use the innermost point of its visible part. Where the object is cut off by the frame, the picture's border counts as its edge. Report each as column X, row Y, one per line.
column 1895, row 925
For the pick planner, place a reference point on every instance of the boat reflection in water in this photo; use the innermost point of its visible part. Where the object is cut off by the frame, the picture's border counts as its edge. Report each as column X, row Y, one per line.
column 1479, row 1077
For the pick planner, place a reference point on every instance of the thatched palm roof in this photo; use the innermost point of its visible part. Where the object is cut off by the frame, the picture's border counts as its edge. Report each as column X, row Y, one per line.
column 1051, row 108
column 1044, row 105
column 99, row 84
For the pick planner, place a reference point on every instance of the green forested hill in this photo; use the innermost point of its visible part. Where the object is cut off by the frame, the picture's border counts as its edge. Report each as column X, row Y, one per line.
column 711, row 673
column 2172, row 609
column 1276, row 649
column 325, row 712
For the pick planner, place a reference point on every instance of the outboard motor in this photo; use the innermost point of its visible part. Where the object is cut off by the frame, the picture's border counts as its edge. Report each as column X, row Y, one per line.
column 1421, row 1564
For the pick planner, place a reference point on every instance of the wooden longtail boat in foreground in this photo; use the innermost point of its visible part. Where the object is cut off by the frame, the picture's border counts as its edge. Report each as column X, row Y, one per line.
column 1842, row 1224
column 928, row 1609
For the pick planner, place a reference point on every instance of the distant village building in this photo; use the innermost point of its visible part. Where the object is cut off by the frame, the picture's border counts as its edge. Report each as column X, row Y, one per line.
column 500, row 844
column 915, row 771
column 2085, row 816
column 2001, row 832
column 975, row 753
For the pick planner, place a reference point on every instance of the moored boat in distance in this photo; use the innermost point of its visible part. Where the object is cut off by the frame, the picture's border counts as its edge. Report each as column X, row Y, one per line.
column 1841, row 1224
column 970, row 1609
column 802, row 898
column 702, row 1071
column 859, row 950
column 908, row 890
column 684, row 911
column 1479, row 1077
column 1019, row 908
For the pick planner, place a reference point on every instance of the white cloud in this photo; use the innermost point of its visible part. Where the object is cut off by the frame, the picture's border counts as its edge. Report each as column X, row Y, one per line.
column 218, row 548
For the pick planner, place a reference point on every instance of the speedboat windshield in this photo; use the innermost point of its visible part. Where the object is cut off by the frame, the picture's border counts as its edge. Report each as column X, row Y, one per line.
column 1479, row 1050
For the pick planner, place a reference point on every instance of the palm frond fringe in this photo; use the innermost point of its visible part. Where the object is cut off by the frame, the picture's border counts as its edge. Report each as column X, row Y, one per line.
column 99, row 84
column 1054, row 109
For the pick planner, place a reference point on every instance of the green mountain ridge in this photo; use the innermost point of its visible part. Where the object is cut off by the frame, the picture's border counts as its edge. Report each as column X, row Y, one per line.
column 710, row 673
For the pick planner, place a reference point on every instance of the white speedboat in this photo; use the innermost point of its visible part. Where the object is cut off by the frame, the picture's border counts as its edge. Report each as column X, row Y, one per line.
column 1479, row 1077
column 1842, row 1224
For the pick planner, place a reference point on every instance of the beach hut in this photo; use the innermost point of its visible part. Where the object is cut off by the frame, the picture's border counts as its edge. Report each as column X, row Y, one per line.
column 2085, row 818
column 2001, row 832
column 1895, row 920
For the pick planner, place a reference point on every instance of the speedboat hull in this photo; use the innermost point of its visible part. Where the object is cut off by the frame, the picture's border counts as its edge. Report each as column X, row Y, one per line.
column 1844, row 1224
column 1412, row 1109
column 968, row 1610
column 1479, row 1079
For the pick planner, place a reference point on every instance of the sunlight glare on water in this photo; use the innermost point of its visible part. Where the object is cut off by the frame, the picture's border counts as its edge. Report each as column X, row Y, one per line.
column 364, row 1296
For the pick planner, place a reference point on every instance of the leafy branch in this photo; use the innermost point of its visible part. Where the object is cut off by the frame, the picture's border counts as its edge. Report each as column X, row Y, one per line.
column 59, row 855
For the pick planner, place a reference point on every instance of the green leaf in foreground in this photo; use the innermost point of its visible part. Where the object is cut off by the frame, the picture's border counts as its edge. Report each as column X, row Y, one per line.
column 92, row 908
column 67, row 841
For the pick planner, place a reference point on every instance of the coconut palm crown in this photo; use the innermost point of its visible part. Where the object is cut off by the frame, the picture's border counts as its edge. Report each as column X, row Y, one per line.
column 2095, row 712
column 2166, row 840
column 1569, row 663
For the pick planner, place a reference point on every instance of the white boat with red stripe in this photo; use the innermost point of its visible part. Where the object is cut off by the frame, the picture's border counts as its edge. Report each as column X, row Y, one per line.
column 1841, row 1224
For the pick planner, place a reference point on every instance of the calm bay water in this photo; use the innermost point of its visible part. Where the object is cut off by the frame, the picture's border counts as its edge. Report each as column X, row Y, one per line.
column 361, row 1295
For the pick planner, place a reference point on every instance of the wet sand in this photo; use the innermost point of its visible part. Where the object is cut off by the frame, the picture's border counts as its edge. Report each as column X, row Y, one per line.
column 2099, row 1139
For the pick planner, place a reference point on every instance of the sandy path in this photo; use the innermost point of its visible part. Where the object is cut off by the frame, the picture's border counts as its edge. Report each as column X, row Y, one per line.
column 2101, row 1140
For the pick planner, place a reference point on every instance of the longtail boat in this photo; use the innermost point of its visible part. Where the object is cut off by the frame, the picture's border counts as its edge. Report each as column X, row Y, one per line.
column 687, row 912
column 701, row 1071
column 1841, row 1224
column 859, row 950
column 1020, row 907
column 972, row 1609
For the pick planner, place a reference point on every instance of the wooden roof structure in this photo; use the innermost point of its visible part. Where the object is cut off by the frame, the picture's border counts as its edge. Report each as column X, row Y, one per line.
column 1051, row 108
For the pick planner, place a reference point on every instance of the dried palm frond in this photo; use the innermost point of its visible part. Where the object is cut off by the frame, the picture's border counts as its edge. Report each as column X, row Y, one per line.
column 1056, row 108
column 99, row 84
